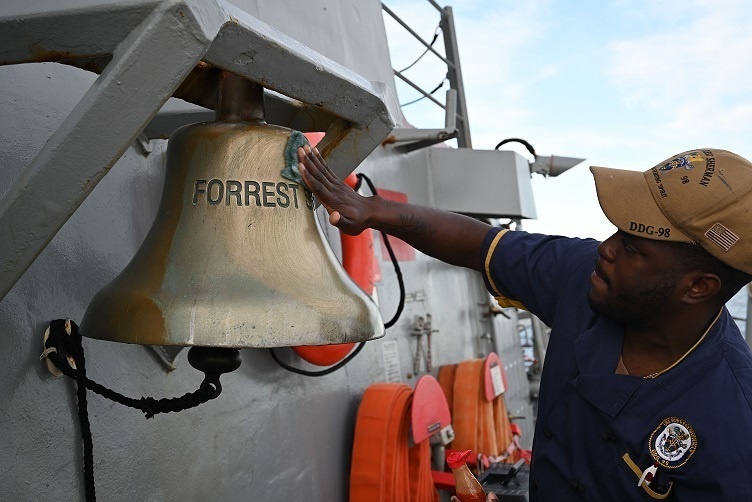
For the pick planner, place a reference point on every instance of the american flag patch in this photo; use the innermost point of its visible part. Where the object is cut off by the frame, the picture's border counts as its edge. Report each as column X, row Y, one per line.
column 722, row 236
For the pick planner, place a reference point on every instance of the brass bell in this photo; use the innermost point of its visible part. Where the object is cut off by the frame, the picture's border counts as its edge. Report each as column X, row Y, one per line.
column 235, row 257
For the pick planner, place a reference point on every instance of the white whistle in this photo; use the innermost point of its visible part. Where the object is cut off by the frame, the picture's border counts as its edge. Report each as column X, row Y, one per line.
column 647, row 475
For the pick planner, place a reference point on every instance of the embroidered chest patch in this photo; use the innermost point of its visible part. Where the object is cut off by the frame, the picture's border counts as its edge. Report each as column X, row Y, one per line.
column 672, row 443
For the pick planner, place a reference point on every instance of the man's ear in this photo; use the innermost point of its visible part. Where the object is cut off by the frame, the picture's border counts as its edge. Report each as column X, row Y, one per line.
column 700, row 287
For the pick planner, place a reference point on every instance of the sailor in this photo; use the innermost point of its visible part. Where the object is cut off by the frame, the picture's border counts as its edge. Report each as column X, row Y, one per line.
column 646, row 391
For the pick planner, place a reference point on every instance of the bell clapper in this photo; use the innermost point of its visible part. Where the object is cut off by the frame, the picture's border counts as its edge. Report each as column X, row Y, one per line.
column 213, row 361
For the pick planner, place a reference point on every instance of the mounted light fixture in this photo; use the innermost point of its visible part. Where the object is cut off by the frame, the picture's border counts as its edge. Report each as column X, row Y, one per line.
column 552, row 165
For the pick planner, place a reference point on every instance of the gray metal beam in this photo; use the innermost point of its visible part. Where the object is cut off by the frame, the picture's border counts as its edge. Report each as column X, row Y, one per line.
column 75, row 29
column 365, row 110
column 455, row 76
column 146, row 68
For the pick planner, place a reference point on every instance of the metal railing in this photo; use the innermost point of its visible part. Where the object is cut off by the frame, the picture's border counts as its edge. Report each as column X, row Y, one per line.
column 454, row 69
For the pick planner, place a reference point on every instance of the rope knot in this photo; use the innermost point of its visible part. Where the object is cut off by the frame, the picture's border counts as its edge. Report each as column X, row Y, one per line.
column 149, row 406
column 62, row 344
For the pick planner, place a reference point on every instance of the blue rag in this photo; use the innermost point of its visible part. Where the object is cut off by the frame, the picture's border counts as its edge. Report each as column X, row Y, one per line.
column 291, row 171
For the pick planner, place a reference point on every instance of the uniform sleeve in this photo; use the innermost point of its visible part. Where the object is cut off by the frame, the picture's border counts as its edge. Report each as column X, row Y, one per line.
column 532, row 271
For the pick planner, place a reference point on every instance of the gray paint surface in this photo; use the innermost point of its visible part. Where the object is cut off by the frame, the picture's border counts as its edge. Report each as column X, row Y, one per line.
column 271, row 435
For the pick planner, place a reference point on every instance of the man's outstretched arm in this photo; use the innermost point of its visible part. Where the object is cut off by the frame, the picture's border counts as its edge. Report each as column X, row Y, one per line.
column 449, row 237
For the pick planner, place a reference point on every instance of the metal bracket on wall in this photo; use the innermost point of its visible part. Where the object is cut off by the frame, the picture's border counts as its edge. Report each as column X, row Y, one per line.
column 423, row 326
column 408, row 139
column 147, row 51
column 144, row 144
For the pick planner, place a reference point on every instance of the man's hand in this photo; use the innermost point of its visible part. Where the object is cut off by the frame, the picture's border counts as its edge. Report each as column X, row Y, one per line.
column 348, row 210
column 449, row 237
column 491, row 497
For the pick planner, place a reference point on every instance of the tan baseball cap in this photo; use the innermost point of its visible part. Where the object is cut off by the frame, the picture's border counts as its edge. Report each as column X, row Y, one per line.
column 702, row 196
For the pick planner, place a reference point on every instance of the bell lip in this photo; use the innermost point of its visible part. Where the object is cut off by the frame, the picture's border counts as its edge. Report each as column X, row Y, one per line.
column 296, row 342
column 106, row 305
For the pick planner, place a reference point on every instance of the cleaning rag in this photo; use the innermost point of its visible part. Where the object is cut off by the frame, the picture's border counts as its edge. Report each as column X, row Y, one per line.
column 291, row 171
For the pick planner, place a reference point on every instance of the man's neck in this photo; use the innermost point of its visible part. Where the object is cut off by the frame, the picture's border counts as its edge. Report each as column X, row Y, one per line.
column 651, row 350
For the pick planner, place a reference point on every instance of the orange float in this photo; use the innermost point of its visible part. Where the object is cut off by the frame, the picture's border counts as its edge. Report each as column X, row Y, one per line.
column 357, row 260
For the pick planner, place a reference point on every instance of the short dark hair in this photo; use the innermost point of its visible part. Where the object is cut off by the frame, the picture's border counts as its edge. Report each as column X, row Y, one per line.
column 692, row 257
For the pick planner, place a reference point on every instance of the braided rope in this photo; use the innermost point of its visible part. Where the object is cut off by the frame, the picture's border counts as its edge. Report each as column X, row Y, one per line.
column 62, row 344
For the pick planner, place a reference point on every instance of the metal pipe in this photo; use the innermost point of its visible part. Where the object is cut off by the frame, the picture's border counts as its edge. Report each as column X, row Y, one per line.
column 437, row 6
column 450, row 120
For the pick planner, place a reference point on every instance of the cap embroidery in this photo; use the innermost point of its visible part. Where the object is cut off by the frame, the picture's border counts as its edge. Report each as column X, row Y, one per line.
column 684, row 161
column 672, row 443
column 722, row 236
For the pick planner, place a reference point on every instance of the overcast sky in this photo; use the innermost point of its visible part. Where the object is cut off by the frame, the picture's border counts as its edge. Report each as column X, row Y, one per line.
column 622, row 83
